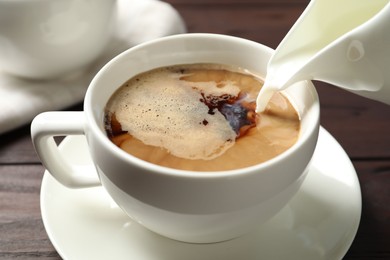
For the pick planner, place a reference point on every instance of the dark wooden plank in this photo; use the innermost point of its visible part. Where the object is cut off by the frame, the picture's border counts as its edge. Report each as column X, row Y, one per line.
column 206, row 3
column 16, row 146
column 22, row 232
column 361, row 125
column 373, row 237
column 267, row 24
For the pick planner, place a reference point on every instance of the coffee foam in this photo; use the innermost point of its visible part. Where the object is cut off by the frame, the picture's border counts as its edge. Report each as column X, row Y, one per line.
column 161, row 110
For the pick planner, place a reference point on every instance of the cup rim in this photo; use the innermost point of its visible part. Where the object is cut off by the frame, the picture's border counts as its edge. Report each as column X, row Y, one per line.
column 93, row 123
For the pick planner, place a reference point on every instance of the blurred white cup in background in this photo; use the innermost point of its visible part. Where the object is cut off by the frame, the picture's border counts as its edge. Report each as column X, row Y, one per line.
column 46, row 39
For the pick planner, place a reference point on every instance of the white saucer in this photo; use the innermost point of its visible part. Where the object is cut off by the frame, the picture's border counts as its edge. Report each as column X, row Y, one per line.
column 320, row 222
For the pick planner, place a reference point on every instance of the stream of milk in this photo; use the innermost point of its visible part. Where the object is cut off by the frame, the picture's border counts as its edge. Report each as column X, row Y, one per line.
column 322, row 22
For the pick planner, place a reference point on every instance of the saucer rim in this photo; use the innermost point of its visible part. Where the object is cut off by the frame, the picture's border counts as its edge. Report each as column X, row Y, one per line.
column 347, row 241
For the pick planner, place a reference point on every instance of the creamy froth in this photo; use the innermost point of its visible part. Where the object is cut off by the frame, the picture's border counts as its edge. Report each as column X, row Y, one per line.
column 161, row 109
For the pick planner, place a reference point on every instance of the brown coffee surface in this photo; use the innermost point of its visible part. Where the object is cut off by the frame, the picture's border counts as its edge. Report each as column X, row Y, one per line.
column 199, row 117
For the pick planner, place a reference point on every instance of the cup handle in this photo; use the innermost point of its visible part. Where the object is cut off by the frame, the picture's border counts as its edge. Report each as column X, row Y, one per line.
column 44, row 128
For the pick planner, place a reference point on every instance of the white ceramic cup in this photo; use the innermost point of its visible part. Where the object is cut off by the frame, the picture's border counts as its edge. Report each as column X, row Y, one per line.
column 183, row 205
column 45, row 39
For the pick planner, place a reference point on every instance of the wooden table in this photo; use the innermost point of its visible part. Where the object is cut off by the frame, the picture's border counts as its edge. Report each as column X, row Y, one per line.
column 360, row 125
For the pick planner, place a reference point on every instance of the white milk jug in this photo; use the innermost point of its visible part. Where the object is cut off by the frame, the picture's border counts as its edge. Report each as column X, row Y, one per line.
column 343, row 42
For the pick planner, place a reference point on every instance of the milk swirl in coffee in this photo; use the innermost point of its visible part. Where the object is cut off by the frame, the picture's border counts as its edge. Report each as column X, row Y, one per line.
column 199, row 117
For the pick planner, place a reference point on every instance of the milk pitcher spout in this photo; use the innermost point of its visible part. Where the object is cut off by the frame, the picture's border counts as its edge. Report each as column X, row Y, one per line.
column 342, row 42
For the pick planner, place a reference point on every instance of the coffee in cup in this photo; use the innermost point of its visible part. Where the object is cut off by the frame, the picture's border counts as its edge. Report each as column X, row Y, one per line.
column 186, row 205
column 199, row 117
